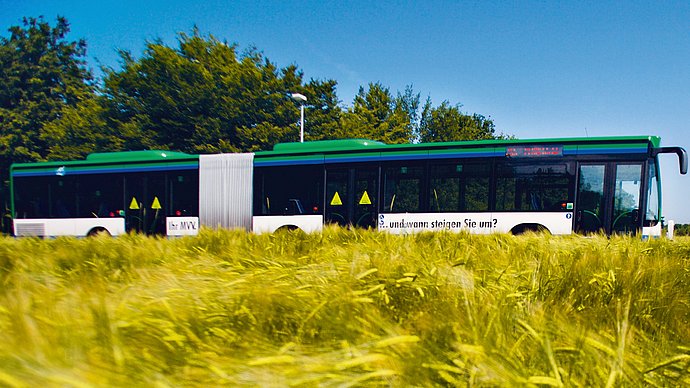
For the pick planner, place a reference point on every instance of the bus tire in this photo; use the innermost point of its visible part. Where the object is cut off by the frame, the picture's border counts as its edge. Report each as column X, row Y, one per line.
column 525, row 228
column 287, row 228
column 98, row 231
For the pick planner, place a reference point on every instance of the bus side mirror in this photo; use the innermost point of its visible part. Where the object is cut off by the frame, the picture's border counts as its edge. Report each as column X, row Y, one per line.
column 682, row 156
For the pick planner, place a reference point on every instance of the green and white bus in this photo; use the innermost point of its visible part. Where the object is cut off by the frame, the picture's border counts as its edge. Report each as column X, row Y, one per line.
column 561, row 185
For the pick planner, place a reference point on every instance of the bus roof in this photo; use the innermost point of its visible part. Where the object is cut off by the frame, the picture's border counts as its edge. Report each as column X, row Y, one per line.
column 125, row 161
column 355, row 145
column 284, row 153
column 137, row 156
column 367, row 151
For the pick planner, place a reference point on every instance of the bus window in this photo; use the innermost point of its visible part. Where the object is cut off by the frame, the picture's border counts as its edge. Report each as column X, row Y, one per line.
column 184, row 193
column 62, row 197
column 31, row 197
column 591, row 207
column 337, row 197
column 365, row 184
column 156, row 204
column 288, row 190
column 46, row 197
column 458, row 187
column 542, row 187
column 99, row 195
column 402, row 187
column 135, row 203
column 626, row 198
column 652, row 213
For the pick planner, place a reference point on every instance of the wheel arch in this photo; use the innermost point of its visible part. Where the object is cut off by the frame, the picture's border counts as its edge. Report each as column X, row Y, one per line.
column 96, row 230
column 529, row 227
column 287, row 227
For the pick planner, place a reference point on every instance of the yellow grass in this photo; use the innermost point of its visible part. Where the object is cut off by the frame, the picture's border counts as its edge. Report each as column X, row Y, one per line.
column 345, row 308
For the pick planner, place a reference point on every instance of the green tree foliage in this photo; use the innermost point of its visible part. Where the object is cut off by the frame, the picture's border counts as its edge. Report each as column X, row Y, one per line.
column 682, row 230
column 41, row 75
column 447, row 123
column 323, row 114
column 202, row 97
column 83, row 129
column 407, row 104
column 376, row 114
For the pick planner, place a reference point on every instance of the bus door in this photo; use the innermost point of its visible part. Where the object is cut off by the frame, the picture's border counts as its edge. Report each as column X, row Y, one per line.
column 608, row 197
column 351, row 195
column 145, row 196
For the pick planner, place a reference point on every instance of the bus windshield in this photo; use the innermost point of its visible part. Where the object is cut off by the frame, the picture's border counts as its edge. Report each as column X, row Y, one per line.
column 653, row 197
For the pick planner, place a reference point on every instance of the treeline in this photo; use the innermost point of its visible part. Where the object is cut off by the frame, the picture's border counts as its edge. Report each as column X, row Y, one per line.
column 203, row 95
column 682, row 230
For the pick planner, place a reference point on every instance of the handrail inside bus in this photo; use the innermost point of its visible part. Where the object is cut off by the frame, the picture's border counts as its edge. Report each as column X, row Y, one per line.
column 682, row 156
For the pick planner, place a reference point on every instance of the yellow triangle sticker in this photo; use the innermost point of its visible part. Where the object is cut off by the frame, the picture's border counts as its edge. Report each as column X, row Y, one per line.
column 134, row 205
column 336, row 200
column 156, row 205
column 365, row 199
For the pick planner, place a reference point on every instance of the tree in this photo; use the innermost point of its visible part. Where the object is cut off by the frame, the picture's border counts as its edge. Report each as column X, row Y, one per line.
column 377, row 115
column 447, row 123
column 682, row 230
column 323, row 114
column 41, row 75
column 407, row 110
column 81, row 130
column 201, row 97
column 205, row 97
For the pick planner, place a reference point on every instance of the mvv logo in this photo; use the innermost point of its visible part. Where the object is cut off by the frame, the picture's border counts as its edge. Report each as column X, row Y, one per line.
column 186, row 225
column 182, row 226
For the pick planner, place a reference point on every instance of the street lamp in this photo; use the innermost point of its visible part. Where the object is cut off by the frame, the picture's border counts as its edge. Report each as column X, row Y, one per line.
column 302, row 99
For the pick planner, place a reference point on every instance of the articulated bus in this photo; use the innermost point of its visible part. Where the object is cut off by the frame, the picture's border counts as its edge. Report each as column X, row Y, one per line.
column 562, row 185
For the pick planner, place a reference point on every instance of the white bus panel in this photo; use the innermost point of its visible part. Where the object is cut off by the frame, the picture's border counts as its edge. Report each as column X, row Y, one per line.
column 480, row 223
column 80, row 227
column 269, row 224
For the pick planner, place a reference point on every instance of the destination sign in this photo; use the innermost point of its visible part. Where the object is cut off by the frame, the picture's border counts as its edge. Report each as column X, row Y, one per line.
column 535, row 151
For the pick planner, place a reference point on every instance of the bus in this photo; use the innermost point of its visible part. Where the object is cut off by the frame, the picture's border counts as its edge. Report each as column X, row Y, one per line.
column 561, row 185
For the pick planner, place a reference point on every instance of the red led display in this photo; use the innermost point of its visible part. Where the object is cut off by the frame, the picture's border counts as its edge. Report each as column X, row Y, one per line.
column 536, row 151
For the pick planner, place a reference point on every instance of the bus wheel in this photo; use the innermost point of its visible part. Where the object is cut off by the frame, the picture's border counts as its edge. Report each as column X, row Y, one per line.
column 525, row 228
column 287, row 228
column 97, row 231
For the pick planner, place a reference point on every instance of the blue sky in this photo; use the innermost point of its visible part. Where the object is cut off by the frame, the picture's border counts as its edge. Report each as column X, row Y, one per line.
column 538, row 69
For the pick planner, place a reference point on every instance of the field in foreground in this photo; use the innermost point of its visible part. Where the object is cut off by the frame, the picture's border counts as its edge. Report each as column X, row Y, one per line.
column 345, row 308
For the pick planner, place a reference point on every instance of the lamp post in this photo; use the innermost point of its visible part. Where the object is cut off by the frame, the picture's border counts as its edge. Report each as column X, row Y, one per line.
column 302, row 99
